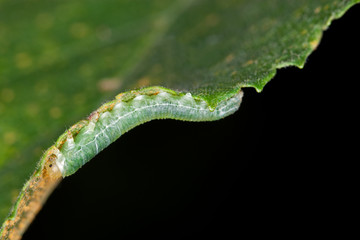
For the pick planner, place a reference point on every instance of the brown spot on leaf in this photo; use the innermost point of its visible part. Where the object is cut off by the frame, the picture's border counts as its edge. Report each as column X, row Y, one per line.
column 109, row 84
column 248, row 63
column 30, row 200
column 317, row 10
column 144, row 81
column 229, row 58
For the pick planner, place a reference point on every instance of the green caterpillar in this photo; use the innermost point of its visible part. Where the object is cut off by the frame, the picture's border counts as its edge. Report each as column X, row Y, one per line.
column 104, row 127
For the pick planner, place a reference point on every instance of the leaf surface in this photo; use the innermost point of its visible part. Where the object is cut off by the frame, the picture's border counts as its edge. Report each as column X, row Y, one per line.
column 60, row 60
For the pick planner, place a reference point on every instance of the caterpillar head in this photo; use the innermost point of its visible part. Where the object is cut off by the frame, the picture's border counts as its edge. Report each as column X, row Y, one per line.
column 51, row 167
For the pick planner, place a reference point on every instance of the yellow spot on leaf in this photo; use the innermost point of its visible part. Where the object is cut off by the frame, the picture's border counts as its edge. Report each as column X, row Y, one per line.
column 7, row 95
column 317, row 10
column 44, row 21
column 303, row 32
column 23, row 60
column 10, row 137
column 55, row 112
column 314, row 44
column 79, row 30
column 32, row 109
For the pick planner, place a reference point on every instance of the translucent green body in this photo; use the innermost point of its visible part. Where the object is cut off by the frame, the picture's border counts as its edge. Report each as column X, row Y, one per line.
column 108, row 126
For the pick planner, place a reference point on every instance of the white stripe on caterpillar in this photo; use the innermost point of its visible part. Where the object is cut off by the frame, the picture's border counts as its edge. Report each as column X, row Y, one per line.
column 106, row 127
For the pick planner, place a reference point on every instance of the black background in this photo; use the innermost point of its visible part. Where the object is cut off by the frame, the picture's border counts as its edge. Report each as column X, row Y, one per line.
column 280, row 165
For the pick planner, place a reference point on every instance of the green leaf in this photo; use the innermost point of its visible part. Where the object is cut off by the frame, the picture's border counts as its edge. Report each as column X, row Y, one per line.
column 60, row 60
